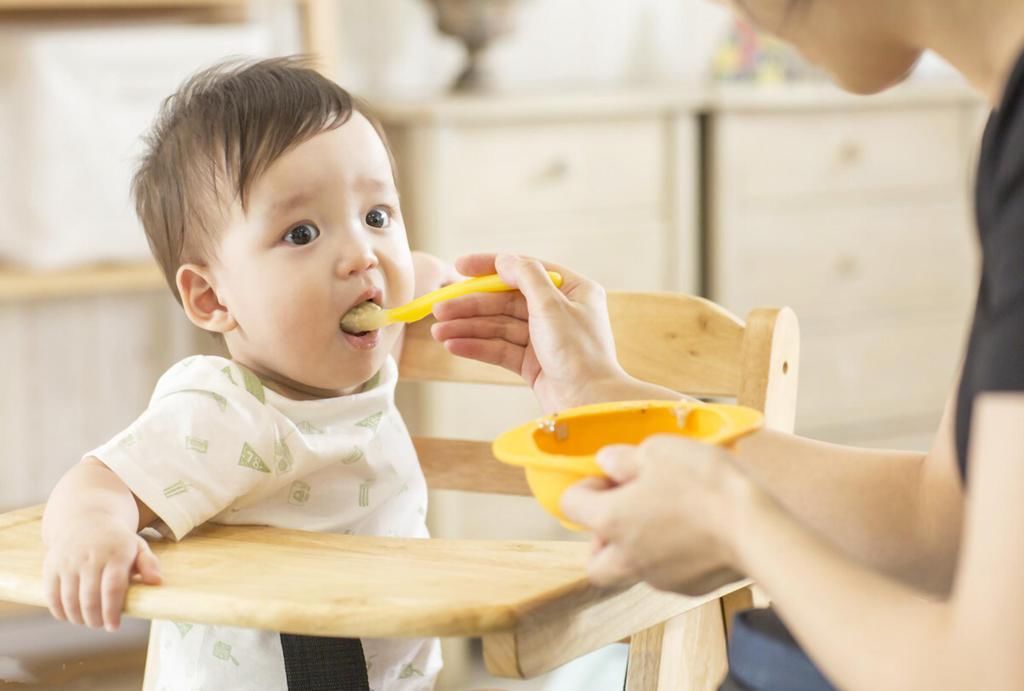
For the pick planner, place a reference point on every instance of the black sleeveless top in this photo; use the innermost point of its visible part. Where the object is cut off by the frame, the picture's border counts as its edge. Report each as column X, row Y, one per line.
column 995, row 351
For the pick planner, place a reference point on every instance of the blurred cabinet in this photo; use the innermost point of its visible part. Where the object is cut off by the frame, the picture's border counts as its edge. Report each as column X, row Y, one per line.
column 856, row 213
column 606, row 184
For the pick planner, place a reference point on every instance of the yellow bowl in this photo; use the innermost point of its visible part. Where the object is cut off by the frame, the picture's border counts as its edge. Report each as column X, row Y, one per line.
column 559, row 450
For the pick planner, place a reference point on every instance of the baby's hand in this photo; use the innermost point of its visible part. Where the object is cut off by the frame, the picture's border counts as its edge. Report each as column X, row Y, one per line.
column 87, row 570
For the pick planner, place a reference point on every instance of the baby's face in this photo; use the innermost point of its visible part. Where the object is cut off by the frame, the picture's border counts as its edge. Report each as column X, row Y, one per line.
column 323, row 233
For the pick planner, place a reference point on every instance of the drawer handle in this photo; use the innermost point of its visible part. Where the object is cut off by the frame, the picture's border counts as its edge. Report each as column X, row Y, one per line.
column 556, row 170
column 847, row 266
column 850, row 153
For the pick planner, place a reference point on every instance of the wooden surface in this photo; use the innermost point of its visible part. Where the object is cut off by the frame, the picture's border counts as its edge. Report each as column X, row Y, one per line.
column 521, row 596
column 686, row 652
column 771, row 365
column 30, row 5
column 468, row 466
column 322, row 584
column 734, row 602
column 21, row 284
column 593, row 619
column 326, row 585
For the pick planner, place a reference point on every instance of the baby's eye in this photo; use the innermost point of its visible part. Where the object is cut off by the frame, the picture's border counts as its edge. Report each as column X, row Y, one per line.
column 302, row 234
column 378, row 218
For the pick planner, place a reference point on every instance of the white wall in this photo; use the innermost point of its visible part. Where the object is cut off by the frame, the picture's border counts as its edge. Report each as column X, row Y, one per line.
column 392, row 47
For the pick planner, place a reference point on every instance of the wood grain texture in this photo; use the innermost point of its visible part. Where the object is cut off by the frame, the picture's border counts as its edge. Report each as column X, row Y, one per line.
column 468, row 466
column 769, row 369
column 586, row 620
column 736, row 601
column 325, row 584
column 685, row 653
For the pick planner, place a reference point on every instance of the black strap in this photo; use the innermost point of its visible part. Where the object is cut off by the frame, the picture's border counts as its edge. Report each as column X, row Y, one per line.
column 315, row 663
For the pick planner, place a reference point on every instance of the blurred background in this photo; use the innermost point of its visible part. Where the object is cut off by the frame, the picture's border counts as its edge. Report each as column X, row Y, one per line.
column 650, row 144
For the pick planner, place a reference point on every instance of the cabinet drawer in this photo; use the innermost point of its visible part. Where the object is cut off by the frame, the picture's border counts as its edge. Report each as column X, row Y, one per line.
column 531, row 168
column 874, row 370
column 780, row 158
column 847, row 260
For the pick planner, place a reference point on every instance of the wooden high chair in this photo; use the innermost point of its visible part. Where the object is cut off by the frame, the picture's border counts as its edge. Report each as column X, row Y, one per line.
column 530, row 602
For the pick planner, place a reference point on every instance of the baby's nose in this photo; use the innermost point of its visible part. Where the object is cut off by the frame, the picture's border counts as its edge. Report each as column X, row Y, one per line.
column 355, row 262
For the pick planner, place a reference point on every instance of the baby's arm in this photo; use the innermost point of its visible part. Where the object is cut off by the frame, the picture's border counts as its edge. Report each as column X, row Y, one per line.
column 90, row 529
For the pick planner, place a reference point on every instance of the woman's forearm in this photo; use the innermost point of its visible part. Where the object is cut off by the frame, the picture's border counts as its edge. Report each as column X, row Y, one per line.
column 885, row 508
column 897, row 511
column 865, row 630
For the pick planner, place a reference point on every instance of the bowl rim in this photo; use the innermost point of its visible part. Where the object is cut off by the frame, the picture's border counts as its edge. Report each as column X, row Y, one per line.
column 517, row 446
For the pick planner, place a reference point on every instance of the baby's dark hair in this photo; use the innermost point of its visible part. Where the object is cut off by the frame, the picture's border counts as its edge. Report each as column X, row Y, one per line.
column 215, row 136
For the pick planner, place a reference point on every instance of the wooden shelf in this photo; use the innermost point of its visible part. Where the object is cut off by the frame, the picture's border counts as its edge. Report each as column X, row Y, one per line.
column 24, row 285
column 318, row 19
column 89, row 5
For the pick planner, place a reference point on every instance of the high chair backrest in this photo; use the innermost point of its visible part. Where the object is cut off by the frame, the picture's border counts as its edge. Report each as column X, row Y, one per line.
column 682, row 342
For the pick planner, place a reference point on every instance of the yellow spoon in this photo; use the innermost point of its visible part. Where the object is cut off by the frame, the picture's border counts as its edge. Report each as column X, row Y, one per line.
column 369, row 316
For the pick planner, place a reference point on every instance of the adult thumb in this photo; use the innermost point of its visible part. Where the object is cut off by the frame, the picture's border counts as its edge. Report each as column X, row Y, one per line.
column 619, row 463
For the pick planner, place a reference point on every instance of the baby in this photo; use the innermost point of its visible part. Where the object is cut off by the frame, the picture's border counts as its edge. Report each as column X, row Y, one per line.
column 269, row 200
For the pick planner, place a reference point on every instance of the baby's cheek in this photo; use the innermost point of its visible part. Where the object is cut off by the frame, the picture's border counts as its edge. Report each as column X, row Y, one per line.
column 294, row 319
column 401, row 276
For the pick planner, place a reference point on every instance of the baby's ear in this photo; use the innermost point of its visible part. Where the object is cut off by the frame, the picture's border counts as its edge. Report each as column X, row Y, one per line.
column 199, row 298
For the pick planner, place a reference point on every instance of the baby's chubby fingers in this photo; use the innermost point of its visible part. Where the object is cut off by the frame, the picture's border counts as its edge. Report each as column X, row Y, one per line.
column 52, row 588
column 69, row 596
column 147, row 566
column 117, row 576
column 89, row 595
column 114, row 587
